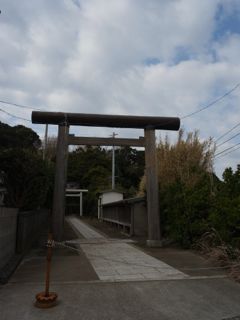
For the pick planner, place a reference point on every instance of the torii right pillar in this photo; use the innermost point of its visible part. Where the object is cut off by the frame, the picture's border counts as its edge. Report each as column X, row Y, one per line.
column 154, row 229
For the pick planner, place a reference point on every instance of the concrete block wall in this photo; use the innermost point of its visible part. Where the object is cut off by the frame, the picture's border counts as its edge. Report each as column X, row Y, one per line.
column 29, row 226
column 8, row 228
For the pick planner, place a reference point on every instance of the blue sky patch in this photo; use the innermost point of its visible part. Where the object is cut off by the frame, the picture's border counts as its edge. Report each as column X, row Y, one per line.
column 182, row 54
column 226, row 22
column 151, row 61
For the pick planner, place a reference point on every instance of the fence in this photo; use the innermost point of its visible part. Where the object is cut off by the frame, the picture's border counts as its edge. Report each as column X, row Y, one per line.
column 29, row 226
column 18, row 232
column 129, row 214
column 8, row 228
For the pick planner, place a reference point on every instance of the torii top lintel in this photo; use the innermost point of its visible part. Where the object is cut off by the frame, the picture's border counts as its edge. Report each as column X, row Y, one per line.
column 104, row 120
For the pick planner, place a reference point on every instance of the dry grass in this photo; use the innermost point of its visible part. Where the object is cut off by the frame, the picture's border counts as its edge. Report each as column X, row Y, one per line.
column 213, row 247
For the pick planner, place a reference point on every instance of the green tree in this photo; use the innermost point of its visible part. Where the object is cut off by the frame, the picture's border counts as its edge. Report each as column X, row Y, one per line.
column 130, row 165
column 18, row 137
column 90, row 167
column 225, row 211
column 85, row 159
column 26, row 178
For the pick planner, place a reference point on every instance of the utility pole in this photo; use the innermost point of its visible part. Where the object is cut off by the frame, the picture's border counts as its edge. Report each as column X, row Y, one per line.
column 113, row 162
column 45, row 142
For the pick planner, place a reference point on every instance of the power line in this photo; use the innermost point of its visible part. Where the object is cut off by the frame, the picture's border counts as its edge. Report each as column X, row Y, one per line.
column 230, row 130
column 184, row 117
column 212, row 103
column 14, row 116
column 223, row 155
column 227, row 149
column 19, row 105
column 228, row 140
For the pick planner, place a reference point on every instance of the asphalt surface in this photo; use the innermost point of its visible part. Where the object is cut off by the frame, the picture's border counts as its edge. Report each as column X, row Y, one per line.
column 206, row 299
column 83, row 296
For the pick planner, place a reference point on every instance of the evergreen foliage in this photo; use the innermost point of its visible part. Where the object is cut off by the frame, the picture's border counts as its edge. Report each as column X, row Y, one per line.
column 225, row 211
column 26, row 178
column 130, row 165
column 91, row 168
column 25, row 175
column 18, row 137
column 184, row 170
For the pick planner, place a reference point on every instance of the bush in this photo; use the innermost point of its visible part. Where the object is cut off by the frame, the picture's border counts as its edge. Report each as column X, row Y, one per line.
column 225, row 211
column 26, row 178
column 184, row 211
column 185, row 184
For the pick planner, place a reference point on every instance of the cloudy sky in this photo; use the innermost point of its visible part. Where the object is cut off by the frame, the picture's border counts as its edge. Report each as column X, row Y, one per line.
column 138, row 57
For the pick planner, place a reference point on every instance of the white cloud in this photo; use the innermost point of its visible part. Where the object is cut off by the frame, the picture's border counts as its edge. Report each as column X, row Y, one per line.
column 91, row 56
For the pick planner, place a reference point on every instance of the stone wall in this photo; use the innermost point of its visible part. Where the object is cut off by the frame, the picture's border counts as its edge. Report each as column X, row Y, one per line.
column 8, row 228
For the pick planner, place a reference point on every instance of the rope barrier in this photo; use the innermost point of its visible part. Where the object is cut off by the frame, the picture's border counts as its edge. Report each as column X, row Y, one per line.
column 63, row 244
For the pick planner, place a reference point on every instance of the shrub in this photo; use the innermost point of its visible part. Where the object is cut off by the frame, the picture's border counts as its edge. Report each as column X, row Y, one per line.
column 26, row 177
column 185, row 184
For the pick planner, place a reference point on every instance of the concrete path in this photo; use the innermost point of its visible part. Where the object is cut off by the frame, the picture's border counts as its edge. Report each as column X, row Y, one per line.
column 212, row 299
column 119, row 261
column 82, row 228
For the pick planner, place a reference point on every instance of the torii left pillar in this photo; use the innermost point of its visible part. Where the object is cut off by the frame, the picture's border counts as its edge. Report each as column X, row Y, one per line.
column 58, row 209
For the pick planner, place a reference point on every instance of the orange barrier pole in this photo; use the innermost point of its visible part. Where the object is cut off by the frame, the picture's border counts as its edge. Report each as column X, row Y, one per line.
column 47, row 299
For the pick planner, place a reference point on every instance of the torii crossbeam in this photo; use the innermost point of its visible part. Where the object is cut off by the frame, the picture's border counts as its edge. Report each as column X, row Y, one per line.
column 149, row 124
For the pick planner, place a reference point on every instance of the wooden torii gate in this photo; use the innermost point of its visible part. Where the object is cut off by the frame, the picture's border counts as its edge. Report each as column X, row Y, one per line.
column 149, row 124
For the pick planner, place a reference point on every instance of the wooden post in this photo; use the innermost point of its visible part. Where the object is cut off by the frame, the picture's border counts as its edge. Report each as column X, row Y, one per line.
column 81, row 204
column 58, row 211
column 45, row 142
column 154, row 234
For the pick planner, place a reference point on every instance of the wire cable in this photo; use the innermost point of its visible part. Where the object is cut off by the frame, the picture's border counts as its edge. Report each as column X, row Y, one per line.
column 218, row 145
column 19, row 105
column 183, row 117
column 213, row 102
column 227, row 149
column 14, row 116
column 230, row 130
column 223, row 155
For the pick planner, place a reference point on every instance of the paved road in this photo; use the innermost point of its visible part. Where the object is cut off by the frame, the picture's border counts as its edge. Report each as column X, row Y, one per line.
column 208, row 299
column 93, row 299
